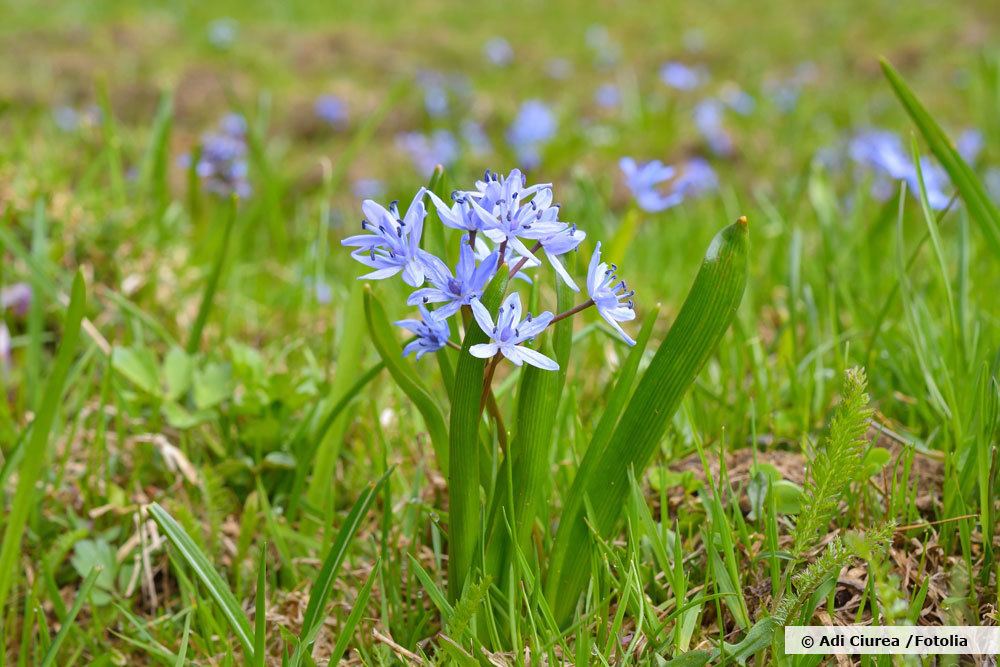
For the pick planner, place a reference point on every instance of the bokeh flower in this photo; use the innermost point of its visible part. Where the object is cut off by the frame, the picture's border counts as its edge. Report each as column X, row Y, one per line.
column 331, row 110
column 532, row 128
column 222, row 163
column 708, row 116
column 427, row 152
column 498, row 51
column 657, row 187
column 679, row 76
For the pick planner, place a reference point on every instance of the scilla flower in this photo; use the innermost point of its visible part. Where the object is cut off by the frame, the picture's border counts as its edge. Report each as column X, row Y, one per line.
column 509, row 331
column 432, row 333
column 612, row 297
column 456, row 290
column 507, row 209
column 393, row 243
column 559, row 243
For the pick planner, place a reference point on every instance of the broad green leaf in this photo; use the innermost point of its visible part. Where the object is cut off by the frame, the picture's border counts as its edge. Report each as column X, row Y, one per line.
column 464, row 510
column 138, row 366
column 384, row 339
column 970, row 187
column 703, row 319
column 212, row 580
column 33, row 463
column 212, row 385
column 178, row 369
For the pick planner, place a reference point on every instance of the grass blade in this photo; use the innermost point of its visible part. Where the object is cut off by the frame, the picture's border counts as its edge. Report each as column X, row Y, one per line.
column 37, row 445
column 260, row 621
column 212, row 284
column 67, row 624
column 703, row 319
column 360, row 605
column 212, row 580
column 322, row 587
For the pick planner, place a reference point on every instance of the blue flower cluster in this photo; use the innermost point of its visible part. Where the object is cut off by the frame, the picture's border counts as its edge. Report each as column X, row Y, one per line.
column 644, row 181
column 498, row 220
column 222, row 165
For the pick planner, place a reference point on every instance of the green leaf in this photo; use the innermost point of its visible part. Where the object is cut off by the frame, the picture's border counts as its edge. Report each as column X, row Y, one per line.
column 212, row 580
column 970, row 187
column 703, row 319
column 384, row 339
column 212, row 283
column 177, row 370
column 357, row 610
column 212, row 385
column 464, row 510
column 323, row 585
column 36, row 452
column 138, row 366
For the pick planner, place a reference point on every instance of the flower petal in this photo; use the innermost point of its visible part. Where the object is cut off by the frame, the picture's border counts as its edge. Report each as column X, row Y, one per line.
column 536, row 358
column 483, row 350
column 482, row 317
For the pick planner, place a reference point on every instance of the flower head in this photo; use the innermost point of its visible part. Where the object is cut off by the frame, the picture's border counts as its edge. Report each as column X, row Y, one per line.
column 607, row 96
column 508, row 208
column 498, row 51
column 611, row 296
column 456, row 290
column 644, row 181
column 16, row 298
column 432, row 333
column 883, row 152
column 427, row 152
column 393, row 242
column 708, row 120
column 533, row 127
column 509, row 331
column 222, row 165
column 680, row 76
column 331, row 110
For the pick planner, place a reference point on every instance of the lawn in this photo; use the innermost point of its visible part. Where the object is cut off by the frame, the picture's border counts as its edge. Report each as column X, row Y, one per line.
column 517, row 333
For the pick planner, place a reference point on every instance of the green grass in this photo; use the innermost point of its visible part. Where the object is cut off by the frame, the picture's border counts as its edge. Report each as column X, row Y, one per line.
column 201, row 462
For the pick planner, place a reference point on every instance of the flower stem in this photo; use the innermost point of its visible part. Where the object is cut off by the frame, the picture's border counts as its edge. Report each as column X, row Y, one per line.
column 524, row 260
column 572, row 311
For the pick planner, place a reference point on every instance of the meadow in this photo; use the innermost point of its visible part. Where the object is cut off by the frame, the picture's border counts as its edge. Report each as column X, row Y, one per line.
column 495, row 334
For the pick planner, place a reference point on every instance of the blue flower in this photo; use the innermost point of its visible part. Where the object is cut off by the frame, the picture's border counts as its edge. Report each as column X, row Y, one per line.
column 222, row 33
column 16, row 298
column 643, row 180
column 608, row 293
column 475, row 137
column 696, row 177
column 393, row 243
column 508, row 209
column 559, row 242
column 607, row 96
column 331, row 110
column 738, row 99
column 367, row 188
column 435, row 93
column 456, row 290
column 222, row 165
column 498, row 51
column 970, row 144
column 680, row 76
column 532, row 128
column 428, row 152
column 507, row 334
column 432, row 333
column 883, row 152
column 708, row 120
column 511, row 257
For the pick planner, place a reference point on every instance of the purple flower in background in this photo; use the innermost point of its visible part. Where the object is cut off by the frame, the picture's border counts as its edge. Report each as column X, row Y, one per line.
column 331, row 110
column 612, row 297
column 679, row 76
column 970, row 144
column 498, row 51
column 222, row 33
column 16, row 298
column 534, row 126
column 367, row 188
column 509, row 331
column 695, row 177
column 456, row 290
column 607, row 96
column 883, row 153
column 708, row 120
column 435, row 93
column 475, row 137
column 222, row 165
column 427, row 152
column 66, row 118
column 393, row 243
column 432, row 333
column 738, row 99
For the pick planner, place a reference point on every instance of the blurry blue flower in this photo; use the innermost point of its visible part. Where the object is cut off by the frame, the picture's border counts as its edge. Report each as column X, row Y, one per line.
column 882, row 152
column 708, row 120
column 66, row 118
column 331, row 110
column 222, row 165
column 222, row 33
column 607, row 96
column 608, row 294
column 367, row 188
column 432, row 333
column 498, row 51
column 16, row 298
column 534, row 125
column 507, row 334
column 970, row 144
column 440, row 147
column 785, row 96
column 475, row 137
column 456, row 290
column 435, row 93
column 604, row 49
column 695, row 177
column 559, row 68
column 737, row 99
column 680, row 76
column 393, row 243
